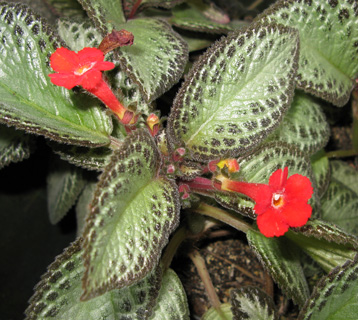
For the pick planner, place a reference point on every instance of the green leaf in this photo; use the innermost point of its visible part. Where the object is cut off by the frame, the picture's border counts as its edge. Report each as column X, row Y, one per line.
column 281, row 259
column 340, row 206
column 304, row 125
column 129, row 6
column 327, row 73
column 321, row 171
column 200, row 16
column 156, row 60
column 258, row 166
column 172, row 303
column 29, row 100
column 83, row 206
column 79, row 35
column 64, row 184
column 335, row 296
column 68, row 8
column 252, row 303
column 132, row 215
column 222, row 109
column 57, row 295
column 224, row 314
column 327, row 244
column 14, row 146
column 344, row 173
column 106, row 15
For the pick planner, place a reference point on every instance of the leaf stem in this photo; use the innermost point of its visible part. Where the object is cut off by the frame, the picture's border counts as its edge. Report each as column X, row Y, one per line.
column 223, row 216
column 115, row 143
column 342, row 153
column 179, row 236
column 134, row 9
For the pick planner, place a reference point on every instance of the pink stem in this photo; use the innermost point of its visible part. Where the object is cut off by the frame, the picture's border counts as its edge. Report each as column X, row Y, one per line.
column 201, row 184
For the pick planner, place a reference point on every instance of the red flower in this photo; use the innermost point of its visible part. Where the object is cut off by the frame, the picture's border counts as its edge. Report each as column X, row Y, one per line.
column 85, row 69
column 280, row 204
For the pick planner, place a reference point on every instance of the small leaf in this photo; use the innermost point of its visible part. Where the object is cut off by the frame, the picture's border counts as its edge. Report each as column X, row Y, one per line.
column 14, row 146
column 222, row 109
column 333, row 24
column 344, row 173
column 172, row 302
column 132, row 215
column 156, row 60
column 252, row 303
column 68, row 8
column 79, row 35
column 64, row 184
column 340, row 206
column 322, row 172
column 281, row 259
column 335, row 296
column 57, row 295
column 304, row 125
column 327, row 244
column 193, row 15
column 29, row 100
column 224, row 314
column 106, row 15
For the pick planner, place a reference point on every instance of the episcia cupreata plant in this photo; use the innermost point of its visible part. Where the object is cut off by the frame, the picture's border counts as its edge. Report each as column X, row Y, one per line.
column 243, row 144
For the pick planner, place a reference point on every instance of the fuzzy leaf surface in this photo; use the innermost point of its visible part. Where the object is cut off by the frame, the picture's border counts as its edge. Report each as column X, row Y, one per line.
column 57, row 295
column 322, row 172
column 106, row 15
column 172, row 302
column 14, row 146
column 213, row 314
column 335, row 296
column 156, row 60
column 129, row 6
column 222, row 109
column 282, row 261
column 252, row 303
column 29, row 100
column 67, row 8
column 304, row 125
column 345, row 174
column 327, row 73
column 340, row 206
column 83, row 206
column 327, row 244
column 132, row 215
column 64, row 184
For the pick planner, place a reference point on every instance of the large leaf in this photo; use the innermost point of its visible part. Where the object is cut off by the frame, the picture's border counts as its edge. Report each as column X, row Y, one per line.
column 68, row 8
column 83, row 206
column 57, row 295
column 64, row 184
column 335, row 296
column 236, row 93
column 172, row 303
column 225, row 313
column 328, row 44
column 106, row 15
column 304, row 125
column 325, row 243
column 14, row 146
column 253, row 304
column 132, row 214
column 29, row 100
column 281, row 259
column 340, row 206
column 345, row 174
column 156, row 60
column 322, row 172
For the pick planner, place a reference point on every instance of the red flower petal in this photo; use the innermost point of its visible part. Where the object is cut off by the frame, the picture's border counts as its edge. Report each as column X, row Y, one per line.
column 64, row 60
column 90, row 79
column 90, row 55
column 278, row 179
column 104, row 66
column 67, row 80
column 298, row 187
column 296, row 213
column 263, row 199
column 271, row 224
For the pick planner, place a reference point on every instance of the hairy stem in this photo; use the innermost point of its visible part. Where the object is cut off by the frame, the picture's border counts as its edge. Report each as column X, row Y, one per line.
column 223, row 216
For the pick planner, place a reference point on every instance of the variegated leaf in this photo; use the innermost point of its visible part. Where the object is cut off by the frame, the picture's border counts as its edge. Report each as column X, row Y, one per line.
column 345, row 174
column 224, row 313
column 321, row 171
column 327, row 73
column 222, row 109
column 132, row 215
column 131, row 7
column 29, row 100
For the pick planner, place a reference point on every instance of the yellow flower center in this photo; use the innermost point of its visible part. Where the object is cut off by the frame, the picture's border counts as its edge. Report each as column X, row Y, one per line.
column 277, row 200
column 83, row 69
